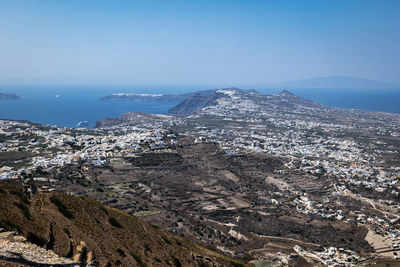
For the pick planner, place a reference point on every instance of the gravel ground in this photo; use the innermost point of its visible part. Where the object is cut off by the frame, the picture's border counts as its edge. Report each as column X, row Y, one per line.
column 15, row 248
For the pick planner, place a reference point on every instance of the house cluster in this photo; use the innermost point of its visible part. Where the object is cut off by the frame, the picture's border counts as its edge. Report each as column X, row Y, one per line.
column 331, row 256
column 45, row 147
column 353, row 163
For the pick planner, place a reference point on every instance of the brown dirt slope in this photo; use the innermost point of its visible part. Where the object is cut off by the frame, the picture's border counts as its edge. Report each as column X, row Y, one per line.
column 85, row 230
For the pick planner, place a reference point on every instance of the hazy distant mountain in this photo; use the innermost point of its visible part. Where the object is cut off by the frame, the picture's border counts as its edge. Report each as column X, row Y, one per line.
column 6, row 96
column 338, row 82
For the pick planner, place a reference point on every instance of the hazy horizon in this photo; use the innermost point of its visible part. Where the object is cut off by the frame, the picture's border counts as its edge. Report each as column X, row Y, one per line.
column 191, row 43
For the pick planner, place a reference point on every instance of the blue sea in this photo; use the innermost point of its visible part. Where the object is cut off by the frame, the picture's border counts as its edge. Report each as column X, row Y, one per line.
column 385, row 100
column 65, row 106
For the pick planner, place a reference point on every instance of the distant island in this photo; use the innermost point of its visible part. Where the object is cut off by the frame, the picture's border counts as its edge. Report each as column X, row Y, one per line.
column 147, row 97
column 340, row 82
column 9, row 96
column 160, row 98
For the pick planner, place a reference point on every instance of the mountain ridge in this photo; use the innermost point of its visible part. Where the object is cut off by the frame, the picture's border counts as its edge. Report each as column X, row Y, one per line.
column 196, row 104
column 227, row 98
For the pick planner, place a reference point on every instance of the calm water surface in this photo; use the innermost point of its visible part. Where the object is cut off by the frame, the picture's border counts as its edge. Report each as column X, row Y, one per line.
column 66, row 106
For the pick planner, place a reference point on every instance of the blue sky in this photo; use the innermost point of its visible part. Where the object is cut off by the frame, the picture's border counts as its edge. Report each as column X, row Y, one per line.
column 241, row 43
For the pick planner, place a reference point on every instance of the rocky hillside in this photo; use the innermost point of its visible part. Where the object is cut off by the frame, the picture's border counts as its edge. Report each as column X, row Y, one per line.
column 242, row 101
column 198, row 101
column 223, row 102
column 194, row 104
column 82, row 230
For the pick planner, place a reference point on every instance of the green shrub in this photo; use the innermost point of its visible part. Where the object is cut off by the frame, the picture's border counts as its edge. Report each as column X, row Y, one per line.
column 121, row 252
column 166, row 240
column 147, row 247
column 35, row 239
column 104, row 209
column 25, row 209
column 178, row 242
column 24, row 199
column 61, row 207
column 236, row 264
column 10, row 226
column 114, row 222
column 176, row 261
column 139, row 261
column 67, row 231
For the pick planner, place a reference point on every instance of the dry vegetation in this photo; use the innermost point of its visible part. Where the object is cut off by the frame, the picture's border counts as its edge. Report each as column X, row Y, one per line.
column 83, row 229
